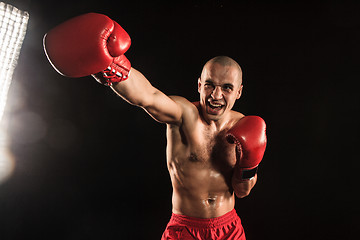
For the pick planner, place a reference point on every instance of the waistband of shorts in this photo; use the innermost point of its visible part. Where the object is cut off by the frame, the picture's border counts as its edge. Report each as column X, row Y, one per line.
column 206, row 222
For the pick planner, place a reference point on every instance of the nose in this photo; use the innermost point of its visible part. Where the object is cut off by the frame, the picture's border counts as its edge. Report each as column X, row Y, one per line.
column 217, row 93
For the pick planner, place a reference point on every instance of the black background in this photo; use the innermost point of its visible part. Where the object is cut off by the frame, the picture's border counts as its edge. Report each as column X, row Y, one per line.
column 90, row 166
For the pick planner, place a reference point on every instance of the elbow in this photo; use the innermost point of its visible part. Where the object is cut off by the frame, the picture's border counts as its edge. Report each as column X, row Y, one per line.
column 243, row 188
column 242, row 193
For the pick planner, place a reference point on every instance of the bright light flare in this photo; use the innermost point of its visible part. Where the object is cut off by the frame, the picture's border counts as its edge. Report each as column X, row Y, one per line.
column 13, row 24
column 7, row 162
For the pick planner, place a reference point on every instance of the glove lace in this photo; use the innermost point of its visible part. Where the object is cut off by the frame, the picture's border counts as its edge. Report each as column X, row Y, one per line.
column 111, row 75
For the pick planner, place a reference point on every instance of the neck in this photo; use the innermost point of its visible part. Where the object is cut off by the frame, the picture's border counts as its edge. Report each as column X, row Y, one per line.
column 219, row 124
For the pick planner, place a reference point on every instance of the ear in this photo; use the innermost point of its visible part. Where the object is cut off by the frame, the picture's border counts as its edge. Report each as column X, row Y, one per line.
column 199, row 85
column 239, row 92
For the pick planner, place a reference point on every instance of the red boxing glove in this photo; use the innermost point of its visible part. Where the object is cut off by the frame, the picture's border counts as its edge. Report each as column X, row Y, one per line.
column 89, row 44
column 249, row 135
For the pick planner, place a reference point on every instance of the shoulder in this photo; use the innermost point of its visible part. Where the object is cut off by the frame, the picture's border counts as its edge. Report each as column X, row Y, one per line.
column 179, row 99
column 189, row 109
column 235, row 117
column 185, row 104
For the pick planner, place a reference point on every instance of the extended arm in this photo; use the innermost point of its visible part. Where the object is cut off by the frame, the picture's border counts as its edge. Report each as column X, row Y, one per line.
column 138, row 91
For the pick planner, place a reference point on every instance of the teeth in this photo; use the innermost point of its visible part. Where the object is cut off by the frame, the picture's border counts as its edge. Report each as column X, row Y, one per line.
column 215, row 105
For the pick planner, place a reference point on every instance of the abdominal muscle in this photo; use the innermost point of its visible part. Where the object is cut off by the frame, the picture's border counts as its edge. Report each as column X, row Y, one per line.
column 200, row 193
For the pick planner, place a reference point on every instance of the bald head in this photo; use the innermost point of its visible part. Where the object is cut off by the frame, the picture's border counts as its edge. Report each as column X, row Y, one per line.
column 224, row 61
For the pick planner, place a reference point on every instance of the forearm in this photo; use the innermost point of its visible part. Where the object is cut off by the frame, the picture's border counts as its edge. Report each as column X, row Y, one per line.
column 136, row 90
column 249, row 135
column 242, row 188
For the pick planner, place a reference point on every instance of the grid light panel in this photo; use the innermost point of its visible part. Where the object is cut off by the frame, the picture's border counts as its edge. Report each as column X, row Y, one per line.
column 13, row 24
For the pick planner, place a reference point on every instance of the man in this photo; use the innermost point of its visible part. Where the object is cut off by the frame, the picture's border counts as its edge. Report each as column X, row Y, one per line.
column 212, row 151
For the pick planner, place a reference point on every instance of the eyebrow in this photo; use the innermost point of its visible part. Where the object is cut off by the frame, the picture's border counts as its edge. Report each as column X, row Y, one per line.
column 224, row 85
column 228, row 85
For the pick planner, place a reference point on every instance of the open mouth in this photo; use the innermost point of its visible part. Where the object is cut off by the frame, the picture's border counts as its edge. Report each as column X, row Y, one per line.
column 214, row 107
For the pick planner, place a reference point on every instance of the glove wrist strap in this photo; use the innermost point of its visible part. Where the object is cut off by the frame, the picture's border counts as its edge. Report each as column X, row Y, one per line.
column 247, row 174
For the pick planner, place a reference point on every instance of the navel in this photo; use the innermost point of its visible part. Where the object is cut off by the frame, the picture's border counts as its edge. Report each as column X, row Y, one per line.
column 210, row 201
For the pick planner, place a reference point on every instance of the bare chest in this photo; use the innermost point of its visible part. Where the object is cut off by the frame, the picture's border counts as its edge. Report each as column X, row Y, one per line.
column 211, row 148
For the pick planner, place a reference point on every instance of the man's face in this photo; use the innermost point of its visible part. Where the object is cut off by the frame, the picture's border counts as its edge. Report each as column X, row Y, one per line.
column 219, row 87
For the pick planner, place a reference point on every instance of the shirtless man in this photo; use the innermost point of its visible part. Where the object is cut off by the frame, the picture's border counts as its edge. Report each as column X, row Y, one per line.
column 212, row 151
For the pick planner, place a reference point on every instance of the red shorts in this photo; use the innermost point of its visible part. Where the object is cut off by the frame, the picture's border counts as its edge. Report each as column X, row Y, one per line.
column 183, row 227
